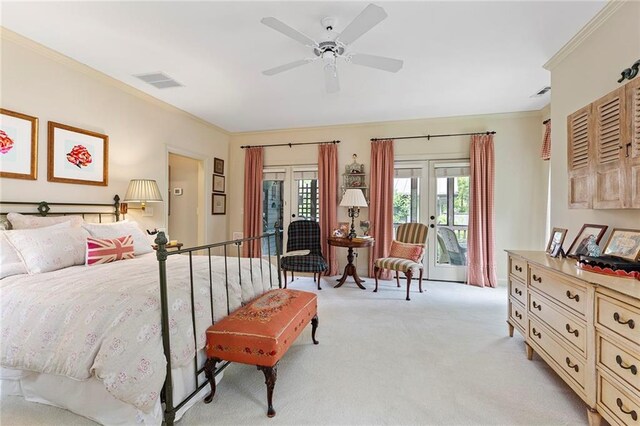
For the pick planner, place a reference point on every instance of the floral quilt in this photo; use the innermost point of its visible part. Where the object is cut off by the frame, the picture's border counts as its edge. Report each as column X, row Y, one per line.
column 105, row 320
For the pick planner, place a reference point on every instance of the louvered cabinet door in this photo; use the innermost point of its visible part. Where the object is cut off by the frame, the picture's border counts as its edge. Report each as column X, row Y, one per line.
column 632, row 146
column 610, row 177
column 580, row 147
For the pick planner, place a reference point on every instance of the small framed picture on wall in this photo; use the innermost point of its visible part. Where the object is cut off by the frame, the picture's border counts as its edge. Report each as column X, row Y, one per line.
column 218, row 204
column 218, row 166
column 218, row 183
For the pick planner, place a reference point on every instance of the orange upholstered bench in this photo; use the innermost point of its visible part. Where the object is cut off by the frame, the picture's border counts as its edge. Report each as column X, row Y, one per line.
column 260, row 333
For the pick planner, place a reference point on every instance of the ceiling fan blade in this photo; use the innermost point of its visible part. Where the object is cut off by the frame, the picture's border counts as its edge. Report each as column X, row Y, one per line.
column 371, row 16
column 379, row 62
column 331, row 82
column 286, row 67
column 288, row 31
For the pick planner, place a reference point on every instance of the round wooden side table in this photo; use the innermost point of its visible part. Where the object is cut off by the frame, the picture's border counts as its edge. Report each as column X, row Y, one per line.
column 350, row 269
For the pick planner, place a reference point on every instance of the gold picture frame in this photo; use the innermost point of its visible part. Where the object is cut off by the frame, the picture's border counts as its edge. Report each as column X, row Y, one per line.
column 18, row 145
column 77, row 156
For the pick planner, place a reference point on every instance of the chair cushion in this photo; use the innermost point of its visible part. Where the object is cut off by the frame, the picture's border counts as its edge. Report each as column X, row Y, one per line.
column 397, row 264
column 308, row 263
column 262, row 331
column 406, row 251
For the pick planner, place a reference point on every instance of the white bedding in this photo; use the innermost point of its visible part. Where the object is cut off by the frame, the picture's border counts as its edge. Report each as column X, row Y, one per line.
column 103, row 321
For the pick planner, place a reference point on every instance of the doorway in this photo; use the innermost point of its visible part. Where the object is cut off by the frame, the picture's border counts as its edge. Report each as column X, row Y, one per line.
column 289, row 193
column 436, row 193
column 185, row 207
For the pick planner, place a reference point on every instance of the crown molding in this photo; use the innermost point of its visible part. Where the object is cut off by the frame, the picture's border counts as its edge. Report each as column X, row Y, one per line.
column 11, row 36
column 601, row 17
column 492, row 116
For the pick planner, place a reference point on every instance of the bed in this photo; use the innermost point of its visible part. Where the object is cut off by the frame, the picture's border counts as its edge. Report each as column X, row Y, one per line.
column 115, row 342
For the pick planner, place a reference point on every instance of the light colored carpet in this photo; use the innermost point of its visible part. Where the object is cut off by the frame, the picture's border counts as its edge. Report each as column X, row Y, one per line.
column 444, row 358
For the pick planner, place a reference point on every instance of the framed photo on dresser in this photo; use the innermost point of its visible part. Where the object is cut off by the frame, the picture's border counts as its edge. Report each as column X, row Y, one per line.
column 555, row 242
column 588, row 231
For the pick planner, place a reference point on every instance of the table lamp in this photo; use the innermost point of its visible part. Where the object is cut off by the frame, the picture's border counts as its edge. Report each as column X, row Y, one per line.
column 354, row 199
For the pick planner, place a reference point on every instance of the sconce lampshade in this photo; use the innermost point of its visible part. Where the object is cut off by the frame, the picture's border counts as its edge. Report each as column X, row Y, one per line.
column 353, row 198
column 142, row 191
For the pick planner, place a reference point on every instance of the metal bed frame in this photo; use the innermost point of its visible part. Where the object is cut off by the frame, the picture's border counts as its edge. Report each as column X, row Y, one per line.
column 170, row 406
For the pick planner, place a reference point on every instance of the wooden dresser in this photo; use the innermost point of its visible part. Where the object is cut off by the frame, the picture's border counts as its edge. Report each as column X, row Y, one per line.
column 586, row 326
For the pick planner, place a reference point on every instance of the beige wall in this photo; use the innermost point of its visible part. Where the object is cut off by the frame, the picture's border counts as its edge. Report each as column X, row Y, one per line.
column 37, row 81
column 183, row 220
column 585, row 74
column 520, row 174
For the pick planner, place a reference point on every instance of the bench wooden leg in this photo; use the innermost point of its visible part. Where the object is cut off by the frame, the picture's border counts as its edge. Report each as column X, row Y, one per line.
column 270, row 376
column 209, row 372
column 314, row 326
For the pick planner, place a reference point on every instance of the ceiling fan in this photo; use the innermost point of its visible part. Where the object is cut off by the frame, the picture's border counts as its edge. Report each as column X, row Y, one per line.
column 335, row 47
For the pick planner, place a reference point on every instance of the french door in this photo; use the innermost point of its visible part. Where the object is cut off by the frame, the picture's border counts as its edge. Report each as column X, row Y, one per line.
column 289, row 193
column 436, row 193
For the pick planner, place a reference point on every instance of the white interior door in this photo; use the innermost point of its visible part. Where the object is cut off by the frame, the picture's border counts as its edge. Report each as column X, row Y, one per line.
column 448, row 219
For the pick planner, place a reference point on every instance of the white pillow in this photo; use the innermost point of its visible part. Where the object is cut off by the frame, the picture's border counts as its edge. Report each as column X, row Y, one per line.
column 21, row 221
column 141, row 244
column 51, row 248
column 10, row 261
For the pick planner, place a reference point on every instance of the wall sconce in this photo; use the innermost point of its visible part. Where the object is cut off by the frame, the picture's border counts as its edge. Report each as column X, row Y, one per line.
column 354, row 199
column 141, row 191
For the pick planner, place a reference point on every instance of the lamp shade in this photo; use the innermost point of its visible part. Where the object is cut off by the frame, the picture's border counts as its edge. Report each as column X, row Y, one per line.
column 353, row 198
column 142, row 191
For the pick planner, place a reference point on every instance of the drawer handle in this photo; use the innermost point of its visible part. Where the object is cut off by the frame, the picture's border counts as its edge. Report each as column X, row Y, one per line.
column 574, row 332
column 575, row 297
column 632, row 368
column 536, row 333
column 518, row 292
column 518, row 268
column 574, row 366
column 519, row 315
column 537, row 278
column 537, row 306
column 629, row 322
column 632, row 413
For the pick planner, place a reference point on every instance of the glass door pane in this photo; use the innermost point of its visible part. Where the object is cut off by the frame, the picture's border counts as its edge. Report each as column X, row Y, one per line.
column 272, row 211
column 406, row 196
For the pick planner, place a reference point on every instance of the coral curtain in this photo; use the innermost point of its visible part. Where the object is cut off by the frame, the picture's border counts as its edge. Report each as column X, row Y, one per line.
column 252, row 221
column 328, row 179
column 545, row 153
column 381, row 201
column 481, row 242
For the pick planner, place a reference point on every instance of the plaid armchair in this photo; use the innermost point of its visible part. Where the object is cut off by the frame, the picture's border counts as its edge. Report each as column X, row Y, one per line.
column 303, row 236
column 411, row 233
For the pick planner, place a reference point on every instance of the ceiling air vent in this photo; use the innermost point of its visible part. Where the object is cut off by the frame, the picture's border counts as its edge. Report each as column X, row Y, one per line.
column 541, row 92
column 158, row 80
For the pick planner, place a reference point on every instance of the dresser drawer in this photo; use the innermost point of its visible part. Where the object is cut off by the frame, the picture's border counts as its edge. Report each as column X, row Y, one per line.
column 618, row 403
column 517, row 313
column 518, row 268
column 622, row 363
column 560, row 290
column 571, row 330
column 569, row 363
column 518, row 290
column 619, row 317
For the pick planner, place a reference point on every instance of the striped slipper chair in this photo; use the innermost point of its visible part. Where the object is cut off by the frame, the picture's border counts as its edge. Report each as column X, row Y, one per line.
column 407, row 252
column 304, row 253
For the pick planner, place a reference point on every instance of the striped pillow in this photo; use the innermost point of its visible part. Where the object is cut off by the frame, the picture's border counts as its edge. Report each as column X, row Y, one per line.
column 105, row 250
column 406, row 251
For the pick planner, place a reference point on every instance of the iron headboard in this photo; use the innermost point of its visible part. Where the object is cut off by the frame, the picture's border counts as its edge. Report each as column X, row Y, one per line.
column 44, row 208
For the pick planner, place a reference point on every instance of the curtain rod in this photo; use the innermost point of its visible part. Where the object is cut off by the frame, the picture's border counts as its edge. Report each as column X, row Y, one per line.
column 546, row 121
column 428, row 137
column 289, row 144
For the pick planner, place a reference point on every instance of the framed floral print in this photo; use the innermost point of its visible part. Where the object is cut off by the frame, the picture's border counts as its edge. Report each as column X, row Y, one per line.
column 18, row 145
column 218, row 183
column 218, row 166
column 218, row 204
column 77, row 156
